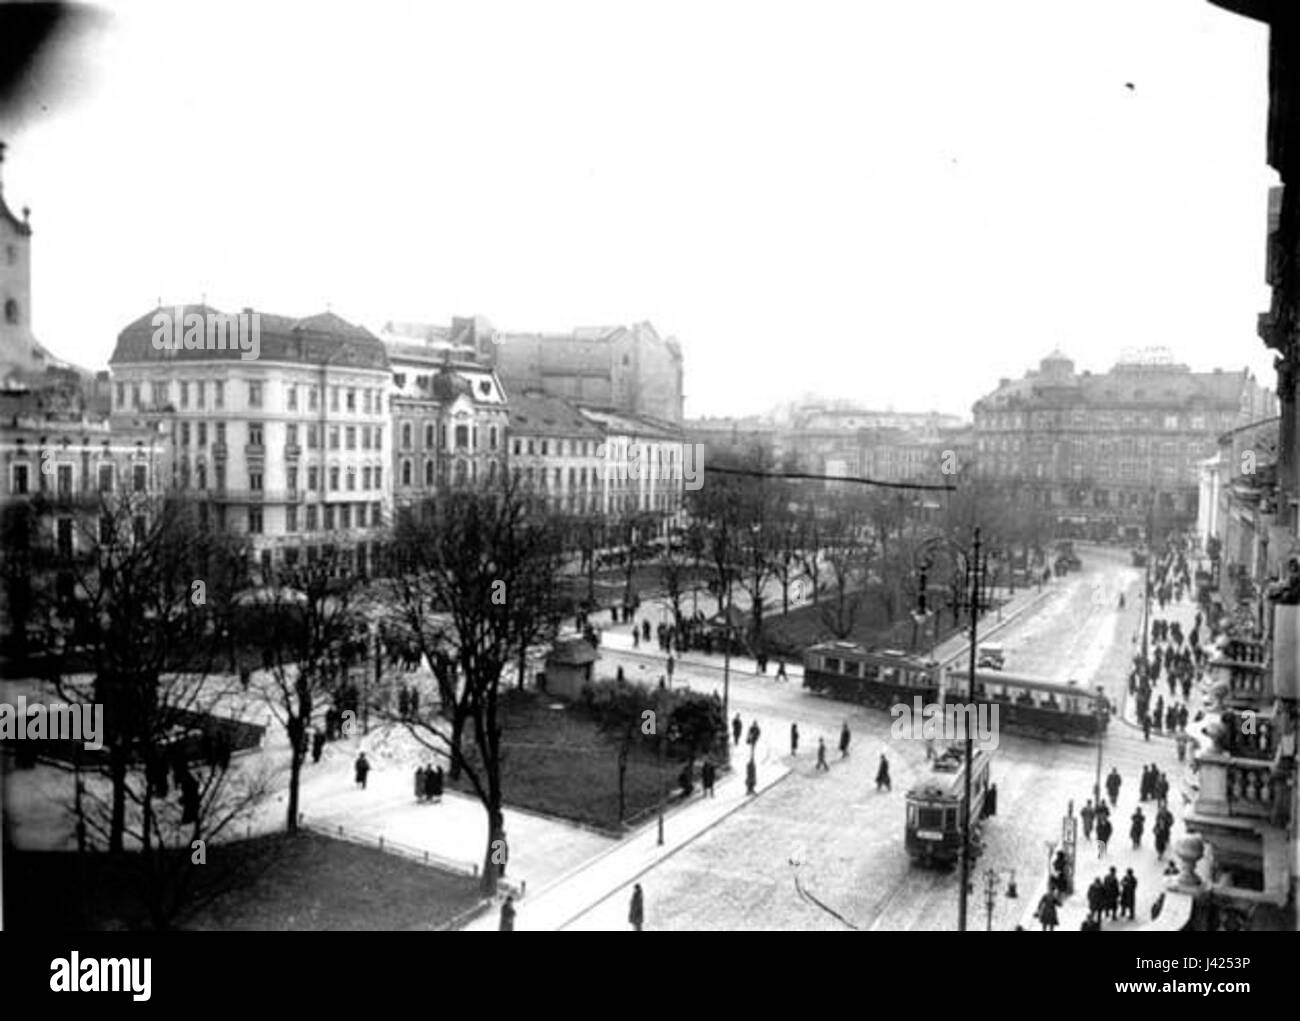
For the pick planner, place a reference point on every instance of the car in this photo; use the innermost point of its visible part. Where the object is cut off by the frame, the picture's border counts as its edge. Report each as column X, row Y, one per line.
column 991, row 656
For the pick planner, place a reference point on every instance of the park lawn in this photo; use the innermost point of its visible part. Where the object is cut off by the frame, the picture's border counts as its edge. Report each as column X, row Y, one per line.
column 276, row 882
column 557, row 762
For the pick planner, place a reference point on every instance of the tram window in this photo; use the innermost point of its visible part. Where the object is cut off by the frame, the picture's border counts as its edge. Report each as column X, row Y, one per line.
column 870, row 671
column 930, row 818
column 949, row 818
column 832, row 665
column 851, row 668
column 911, row 816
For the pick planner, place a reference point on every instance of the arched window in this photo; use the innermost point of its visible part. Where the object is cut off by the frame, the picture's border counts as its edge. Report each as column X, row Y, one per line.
column 406, row 473
column 11, row 312
column 428, row 470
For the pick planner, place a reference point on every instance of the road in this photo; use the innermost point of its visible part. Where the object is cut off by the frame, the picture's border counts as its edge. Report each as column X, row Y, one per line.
column 844, row 839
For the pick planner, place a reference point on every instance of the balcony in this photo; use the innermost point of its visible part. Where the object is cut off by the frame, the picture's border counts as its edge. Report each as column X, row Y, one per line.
column 1286, row 651
column 256, row 496
column 219, row 452
column 292, row 451
column 254, row 450
column 1243, row 788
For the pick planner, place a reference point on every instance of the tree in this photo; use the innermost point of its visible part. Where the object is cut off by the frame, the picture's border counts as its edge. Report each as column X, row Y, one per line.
column 486, row 558
column 625, row 712
column 310, row 632
column 677, row 569
column 849, row 555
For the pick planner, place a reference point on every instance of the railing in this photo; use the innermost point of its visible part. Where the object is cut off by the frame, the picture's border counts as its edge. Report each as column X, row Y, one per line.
column 392, row 847
column 254, row 450
column 1239, row 787
column 258, row 495
column 292, row 450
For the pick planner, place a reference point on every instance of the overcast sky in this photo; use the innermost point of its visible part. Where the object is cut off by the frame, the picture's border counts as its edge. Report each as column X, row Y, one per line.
column 893, row 202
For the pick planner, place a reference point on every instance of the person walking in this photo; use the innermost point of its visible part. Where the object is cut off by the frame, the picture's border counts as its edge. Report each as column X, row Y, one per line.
column 317, row 745
column 433, row 783
column 1047, row 913
column 708, row 774
column 671, row 663
column 751, row 777
column 780, row 670
column 737, row 728
column 794, row 739
column 845, row 737
column 821, row 755
column 1110, row 885
column 1128, row 894
column 508, row 915
column 1096, row 900
column 882, row 775
column 636, row 911
column 1087, row 813
column 1104, row 830
column 420, row 784
column 1135, row 830
column 362, row 770
column 752, row 739
column 1113, row 783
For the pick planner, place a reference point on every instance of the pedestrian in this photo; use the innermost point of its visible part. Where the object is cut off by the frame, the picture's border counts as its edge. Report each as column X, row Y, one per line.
column 317, row 744
column 752, row 739
column 751, row 777
column 1104, row 830
column 780, row 670
column 1110, row 885
column 1096, row 899
column 636, row 638
column 1135, row 830
column 508, row 915
column 1146, row 727
column 362, row 770
column 671, row 663
column 844, row 740
column 421, row 783
column 882, row 774
column 708, row 774
column 645, row 631
column 794, row 739
column 736, row 728
column 1161, row 834
column 636, row 912
column 1128, row 894
column 821, row 755
column 1047, row 912
column 1087, row 813
column 1113, row 783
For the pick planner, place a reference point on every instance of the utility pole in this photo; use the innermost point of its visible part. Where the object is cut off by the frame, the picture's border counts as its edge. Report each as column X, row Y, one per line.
column 970, row 699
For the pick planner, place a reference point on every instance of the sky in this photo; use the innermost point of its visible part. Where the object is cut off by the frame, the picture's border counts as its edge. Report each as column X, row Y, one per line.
column 892, row 203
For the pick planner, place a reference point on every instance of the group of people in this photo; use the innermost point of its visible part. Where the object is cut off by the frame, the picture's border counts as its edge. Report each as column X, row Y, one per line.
column 1098, row 815
column 1111, row 897
column 428, row 783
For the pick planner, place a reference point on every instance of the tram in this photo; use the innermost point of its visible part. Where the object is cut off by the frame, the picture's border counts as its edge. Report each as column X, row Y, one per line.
column 885, row 677
column 936, row 804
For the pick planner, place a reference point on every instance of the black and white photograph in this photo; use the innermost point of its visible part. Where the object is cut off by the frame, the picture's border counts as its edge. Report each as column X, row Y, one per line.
column 715, row 466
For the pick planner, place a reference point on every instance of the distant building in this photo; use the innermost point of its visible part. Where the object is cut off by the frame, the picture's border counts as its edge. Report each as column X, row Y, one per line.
column 628, row 369
column 291, row 448
column 1104, row 452
column 746, row 438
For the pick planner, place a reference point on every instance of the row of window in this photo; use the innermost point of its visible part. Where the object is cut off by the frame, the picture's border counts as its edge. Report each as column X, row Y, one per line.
column 1104, row 420
column 369, row 400
column 20, row 478
column 328, row 518
column 466, row 438
column 338, row 437
column 339, row 478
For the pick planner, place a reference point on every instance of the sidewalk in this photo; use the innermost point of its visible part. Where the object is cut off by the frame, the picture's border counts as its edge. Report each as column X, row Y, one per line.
column 555, row 905
column 1184, row 612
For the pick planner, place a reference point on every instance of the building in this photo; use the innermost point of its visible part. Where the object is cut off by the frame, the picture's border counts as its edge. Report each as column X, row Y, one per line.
column 448, row 409
column 747, row 439
column 843, row 440
column 627, row 369
column 933, row 455
column 556, row 451
column 1106, row 452
column 290, row 447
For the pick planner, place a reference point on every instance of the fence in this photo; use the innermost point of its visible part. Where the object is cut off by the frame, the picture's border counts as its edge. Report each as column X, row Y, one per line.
column 381, row 843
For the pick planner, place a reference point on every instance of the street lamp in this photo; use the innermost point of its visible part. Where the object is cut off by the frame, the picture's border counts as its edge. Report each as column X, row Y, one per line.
column 1103, row 714
column 991, row 878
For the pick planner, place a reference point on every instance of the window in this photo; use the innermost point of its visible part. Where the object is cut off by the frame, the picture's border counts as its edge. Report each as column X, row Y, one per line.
column 291, row 434
column 219, row 471
column 313, row 479
column 428, row 436
column 544, row 448
column 334, row 480
column 311, row 518
column 365, row 478
column 406, row 473
column 255, row 434
column 64, row 527
column 365, row 437
column 19, row 480
column 406, row 435
column 254, row 520
column 291, row 519
column 291, row 396
column 361, row 515
column 200, row 394
column 203, row 434
column 352, row 399
column 254, row 394
column 121, row 395
column 351, row 438
column 105, row 478
column 313, row 398
column 379, row 480
column 329, row 517
column 65, row 479
column 379, row 437
column 140, row 477
column 345, row 515
column 135, row 395
column 462, row 437
column 365, row 400
column 185, row 434
column 255, row 482
column 428, row 471
column 218, row 394
column 159, row 395
column 185, row 393
column 201, row 475
column 531, row 451
column 313, row 438
column 221, row 432
column 334, row 437
column 334, row 398
column 352, row 478
column 376, row 515
column 518, row 449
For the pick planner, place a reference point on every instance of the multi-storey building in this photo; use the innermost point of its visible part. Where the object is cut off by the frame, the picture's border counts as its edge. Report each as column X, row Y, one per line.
column 291, row 448
column 448, row 410
column 840, row 439
column 1105, row 453
column 628, row 369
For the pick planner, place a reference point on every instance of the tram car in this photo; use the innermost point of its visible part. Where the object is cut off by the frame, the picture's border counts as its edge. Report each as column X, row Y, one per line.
column 882, row 678
column 935, row 807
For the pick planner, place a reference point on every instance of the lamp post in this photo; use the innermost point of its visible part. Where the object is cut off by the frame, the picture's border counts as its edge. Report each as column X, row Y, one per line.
column 1103, row 713
column 991, row 893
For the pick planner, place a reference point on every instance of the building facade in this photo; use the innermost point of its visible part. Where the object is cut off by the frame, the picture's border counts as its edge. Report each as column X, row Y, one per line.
column 291, row 448
column 1108, row 453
